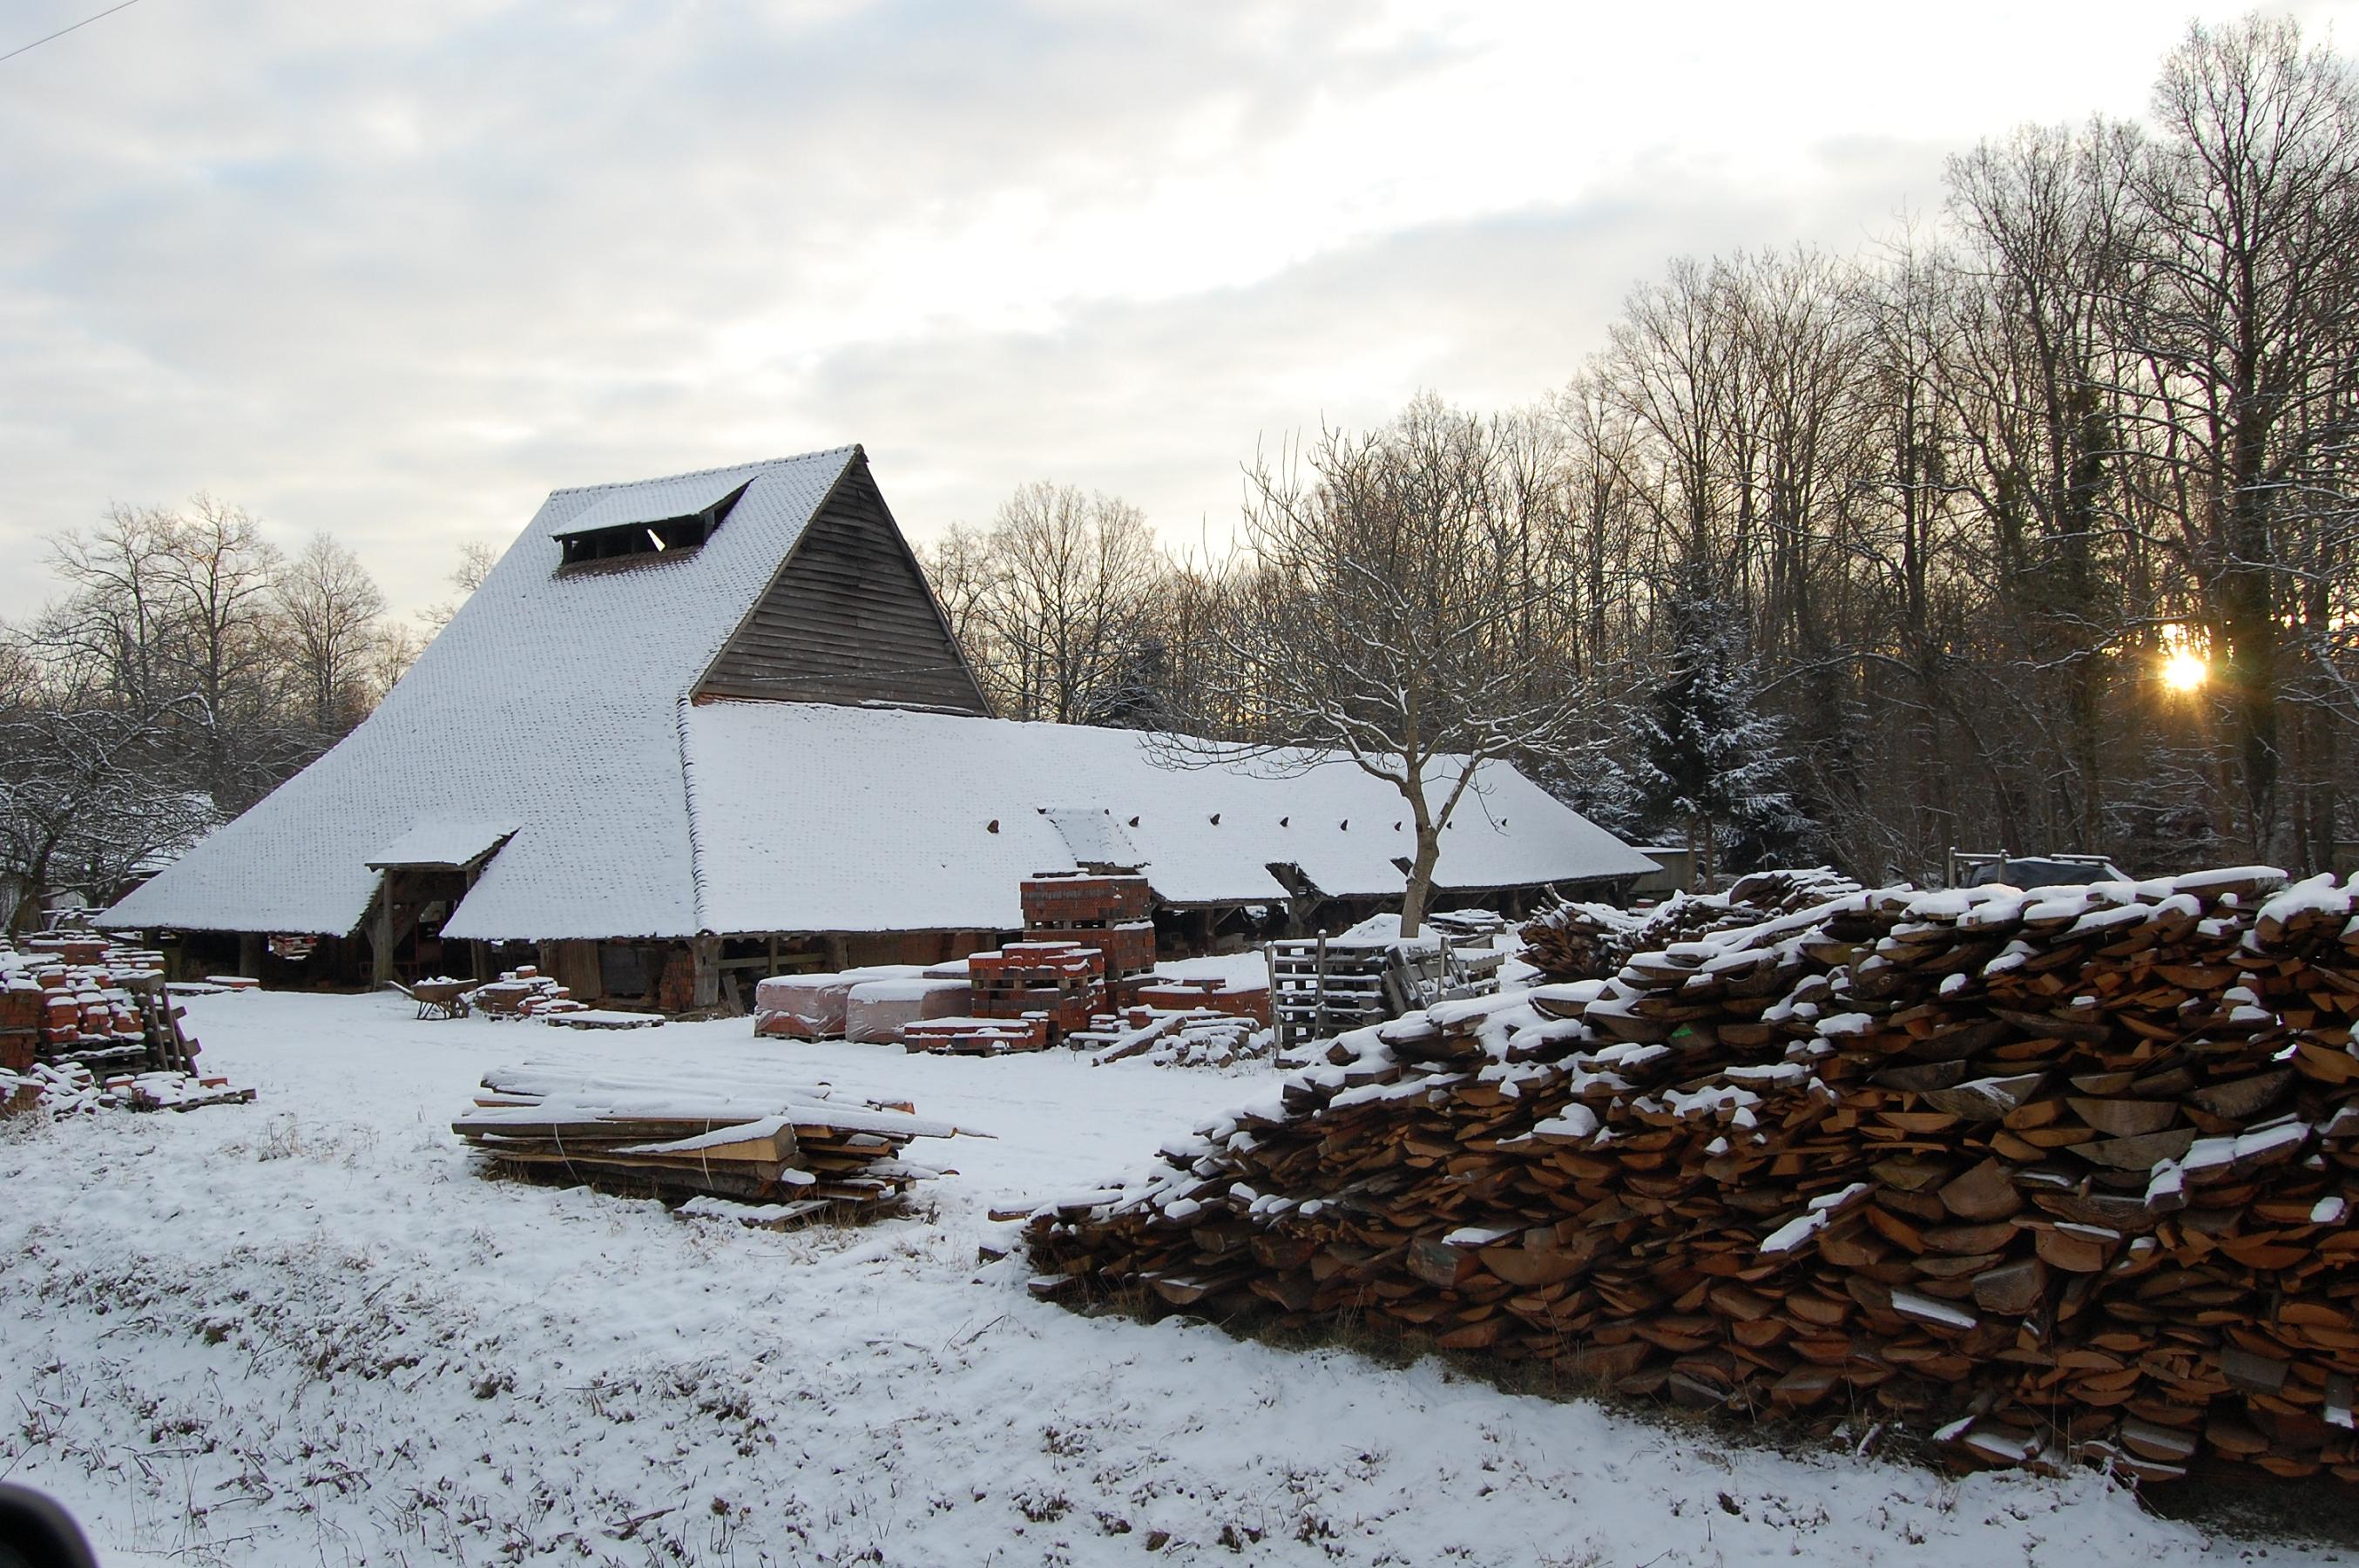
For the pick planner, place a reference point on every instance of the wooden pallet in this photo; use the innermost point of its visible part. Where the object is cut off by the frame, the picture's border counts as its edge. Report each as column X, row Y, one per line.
column 977, row 1037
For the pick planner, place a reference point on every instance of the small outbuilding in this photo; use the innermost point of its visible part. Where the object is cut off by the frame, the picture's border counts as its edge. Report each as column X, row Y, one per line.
column 716, row 725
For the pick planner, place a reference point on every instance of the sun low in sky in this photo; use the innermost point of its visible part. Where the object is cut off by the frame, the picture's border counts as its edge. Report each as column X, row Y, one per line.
column 395, row 271
column 2184, row 669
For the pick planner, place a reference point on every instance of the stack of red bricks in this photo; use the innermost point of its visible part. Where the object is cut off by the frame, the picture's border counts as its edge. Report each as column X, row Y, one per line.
column 82, row 1019
column 1088, row 947
column 1109, row 913
column 102, row 1006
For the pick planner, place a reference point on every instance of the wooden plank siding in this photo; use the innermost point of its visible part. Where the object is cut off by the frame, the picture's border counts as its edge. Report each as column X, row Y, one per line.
column 848, row 618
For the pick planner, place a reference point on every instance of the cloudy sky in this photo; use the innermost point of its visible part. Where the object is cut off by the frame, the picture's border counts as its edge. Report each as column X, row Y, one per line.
column 395, row 271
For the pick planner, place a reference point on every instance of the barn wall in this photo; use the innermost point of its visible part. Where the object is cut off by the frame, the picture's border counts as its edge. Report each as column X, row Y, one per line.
column 849, row 618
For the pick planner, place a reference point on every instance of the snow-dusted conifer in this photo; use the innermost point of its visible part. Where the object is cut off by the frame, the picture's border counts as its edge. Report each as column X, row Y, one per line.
column 1708, row 763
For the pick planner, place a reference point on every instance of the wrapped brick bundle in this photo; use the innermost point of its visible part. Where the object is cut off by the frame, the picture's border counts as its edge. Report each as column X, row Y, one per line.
column 811, row 1007
column 876, row 1012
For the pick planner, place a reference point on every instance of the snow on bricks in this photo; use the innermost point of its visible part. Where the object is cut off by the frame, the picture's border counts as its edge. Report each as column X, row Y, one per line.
column 2047, row 1175
column 756, row 1152
column 86, row 1025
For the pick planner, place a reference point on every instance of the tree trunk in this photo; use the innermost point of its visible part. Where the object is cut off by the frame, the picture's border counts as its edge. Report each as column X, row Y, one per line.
column 1419, row 891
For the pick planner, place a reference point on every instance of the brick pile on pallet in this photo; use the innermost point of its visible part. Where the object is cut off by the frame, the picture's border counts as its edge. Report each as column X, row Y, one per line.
column 1111, row 913
column 1027, row 996
column 2061, row 1175
column 85, row 1024
column 1587, row 942
column 1088, row 947
column 776, row 1153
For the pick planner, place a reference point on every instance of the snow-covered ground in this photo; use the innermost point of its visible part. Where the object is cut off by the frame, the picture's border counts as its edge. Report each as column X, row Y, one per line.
column 304, row 1331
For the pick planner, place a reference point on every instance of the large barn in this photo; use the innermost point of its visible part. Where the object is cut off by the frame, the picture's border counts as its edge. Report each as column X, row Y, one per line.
column 716, row 725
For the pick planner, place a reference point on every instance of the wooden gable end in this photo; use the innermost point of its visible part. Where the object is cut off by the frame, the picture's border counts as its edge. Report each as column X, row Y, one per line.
column 847, row 618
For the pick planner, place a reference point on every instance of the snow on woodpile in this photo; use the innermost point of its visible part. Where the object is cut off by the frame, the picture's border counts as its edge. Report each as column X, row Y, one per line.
column 87, row 1025
column 2063, row 1173
column 790, row 1152
column 1585, row 941
column 1179, row 1037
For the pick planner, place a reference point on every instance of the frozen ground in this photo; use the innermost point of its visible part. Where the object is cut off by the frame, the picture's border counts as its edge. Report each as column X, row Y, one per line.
column 302, row 1332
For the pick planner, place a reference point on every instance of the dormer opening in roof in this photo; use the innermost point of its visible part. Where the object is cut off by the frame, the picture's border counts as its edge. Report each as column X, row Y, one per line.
column 605, row 533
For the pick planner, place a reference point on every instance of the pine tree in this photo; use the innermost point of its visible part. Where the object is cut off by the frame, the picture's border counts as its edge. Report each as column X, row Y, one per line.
column 1709, row 764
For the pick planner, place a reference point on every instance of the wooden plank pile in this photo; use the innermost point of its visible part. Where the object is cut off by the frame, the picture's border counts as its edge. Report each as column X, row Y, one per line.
column 793, row 1151
column 1588, row 942
column 2046, row 1176
column 1175, row 1037
column 85, row 1024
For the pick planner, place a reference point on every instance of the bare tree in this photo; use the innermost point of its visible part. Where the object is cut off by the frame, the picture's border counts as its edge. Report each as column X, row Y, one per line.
column 2246, row 310
column 331, row 611
column 1051, row 605
column 476, row 560
column 1382, row 607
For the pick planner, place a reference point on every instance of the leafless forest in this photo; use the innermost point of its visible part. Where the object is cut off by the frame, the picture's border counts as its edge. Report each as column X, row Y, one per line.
column 2030, row 526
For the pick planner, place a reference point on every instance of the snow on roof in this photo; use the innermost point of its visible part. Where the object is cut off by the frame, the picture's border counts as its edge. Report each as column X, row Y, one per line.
column 813, row 818
column 454, row 845
column 549, row 700
column 558, row 705
column 1094, row 837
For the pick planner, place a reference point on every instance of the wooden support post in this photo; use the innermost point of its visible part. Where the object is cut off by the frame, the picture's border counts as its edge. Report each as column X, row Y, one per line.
column 249, row 954
column 704, row 952
column 479, row 955
column 381, row 932
column 839, row 951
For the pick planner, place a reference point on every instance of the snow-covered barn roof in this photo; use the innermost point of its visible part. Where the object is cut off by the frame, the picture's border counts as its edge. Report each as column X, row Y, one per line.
column 563, row 702
column 887, row 820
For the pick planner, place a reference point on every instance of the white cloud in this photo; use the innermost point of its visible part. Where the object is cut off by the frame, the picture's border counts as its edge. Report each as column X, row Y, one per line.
column 397, row 271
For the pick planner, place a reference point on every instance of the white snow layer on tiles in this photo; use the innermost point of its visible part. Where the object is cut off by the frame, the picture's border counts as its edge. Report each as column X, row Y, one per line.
column 815, row 817
column 552, row 702
column 1094, row 837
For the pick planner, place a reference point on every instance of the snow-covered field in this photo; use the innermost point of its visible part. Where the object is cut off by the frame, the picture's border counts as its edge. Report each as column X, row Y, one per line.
column 304, row 1331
